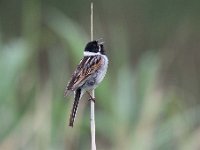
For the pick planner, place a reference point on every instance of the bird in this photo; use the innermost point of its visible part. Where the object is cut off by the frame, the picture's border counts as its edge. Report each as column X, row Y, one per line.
column 88, row 74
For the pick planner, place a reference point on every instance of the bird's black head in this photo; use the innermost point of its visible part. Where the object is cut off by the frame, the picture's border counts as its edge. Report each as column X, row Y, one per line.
column 95, row 47
column 102, row 50
column 92, row 46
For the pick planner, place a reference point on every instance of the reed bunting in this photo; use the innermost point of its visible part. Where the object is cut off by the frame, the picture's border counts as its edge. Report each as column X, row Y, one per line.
column 88, row 74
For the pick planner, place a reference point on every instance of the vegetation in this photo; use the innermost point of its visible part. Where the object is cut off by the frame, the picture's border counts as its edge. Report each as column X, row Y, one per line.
column 149, row 99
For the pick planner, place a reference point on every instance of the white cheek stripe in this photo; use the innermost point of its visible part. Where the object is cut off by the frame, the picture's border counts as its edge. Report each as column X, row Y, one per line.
column 90, row 53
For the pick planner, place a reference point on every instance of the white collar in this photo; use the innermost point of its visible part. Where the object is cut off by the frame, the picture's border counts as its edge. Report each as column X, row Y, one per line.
column 90, row 53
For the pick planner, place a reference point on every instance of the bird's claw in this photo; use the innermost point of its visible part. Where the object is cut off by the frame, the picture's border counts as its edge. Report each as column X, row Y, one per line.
column 92, row 99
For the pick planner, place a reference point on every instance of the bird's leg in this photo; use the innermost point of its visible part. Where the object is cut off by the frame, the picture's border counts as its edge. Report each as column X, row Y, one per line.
column 91, row 98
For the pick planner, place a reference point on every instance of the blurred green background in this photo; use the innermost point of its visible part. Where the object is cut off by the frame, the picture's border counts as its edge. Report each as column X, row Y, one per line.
column 149, row 99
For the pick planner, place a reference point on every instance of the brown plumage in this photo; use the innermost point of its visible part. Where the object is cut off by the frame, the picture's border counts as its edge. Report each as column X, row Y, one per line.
column 75, row 107
column 87, row 66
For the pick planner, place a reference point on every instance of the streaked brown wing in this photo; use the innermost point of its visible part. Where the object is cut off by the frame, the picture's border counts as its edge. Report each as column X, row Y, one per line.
column 88, row 65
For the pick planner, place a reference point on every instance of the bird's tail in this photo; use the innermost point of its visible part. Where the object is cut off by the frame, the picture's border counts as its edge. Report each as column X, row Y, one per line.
column 75, row 107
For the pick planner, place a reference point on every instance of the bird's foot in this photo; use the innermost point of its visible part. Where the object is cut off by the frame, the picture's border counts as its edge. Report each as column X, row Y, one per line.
column 91, row 98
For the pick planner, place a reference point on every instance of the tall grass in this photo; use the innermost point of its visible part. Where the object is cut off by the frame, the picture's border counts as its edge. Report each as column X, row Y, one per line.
column 136, row 107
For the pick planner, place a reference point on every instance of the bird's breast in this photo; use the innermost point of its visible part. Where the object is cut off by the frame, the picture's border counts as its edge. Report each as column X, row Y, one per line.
column 102, row 71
